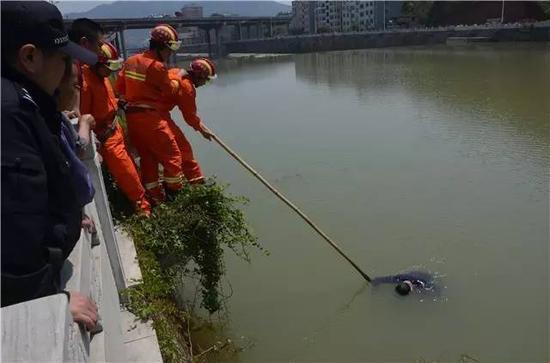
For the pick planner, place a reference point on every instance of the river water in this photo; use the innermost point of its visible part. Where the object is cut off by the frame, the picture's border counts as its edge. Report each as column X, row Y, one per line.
column 434, row 158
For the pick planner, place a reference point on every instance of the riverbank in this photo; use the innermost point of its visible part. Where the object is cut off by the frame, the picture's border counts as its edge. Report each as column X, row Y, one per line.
column 238, row 56
column 308, row 43
column 180, row 249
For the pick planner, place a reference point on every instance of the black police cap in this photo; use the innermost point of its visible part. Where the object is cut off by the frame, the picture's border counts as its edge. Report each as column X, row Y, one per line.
column 40, row 23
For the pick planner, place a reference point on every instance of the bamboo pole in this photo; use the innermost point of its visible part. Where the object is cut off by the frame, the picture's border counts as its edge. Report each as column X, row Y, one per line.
column 290, row 204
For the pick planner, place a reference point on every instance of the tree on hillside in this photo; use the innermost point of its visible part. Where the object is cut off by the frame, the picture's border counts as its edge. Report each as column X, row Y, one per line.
column 417, row 9
column 479, row 12
column 545, row 6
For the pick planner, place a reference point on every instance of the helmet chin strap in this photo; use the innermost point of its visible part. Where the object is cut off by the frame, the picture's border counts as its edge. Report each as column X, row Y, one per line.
column 159, row 56
column 193, row 77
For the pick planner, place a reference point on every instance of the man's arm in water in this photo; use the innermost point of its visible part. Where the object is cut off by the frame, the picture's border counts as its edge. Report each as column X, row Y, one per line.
column 397, row 278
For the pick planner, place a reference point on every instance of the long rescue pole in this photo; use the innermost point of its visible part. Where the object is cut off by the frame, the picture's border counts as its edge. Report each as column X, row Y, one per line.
column 289, row 203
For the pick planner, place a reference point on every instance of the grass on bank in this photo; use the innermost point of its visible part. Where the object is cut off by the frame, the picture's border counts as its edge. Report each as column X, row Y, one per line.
column 184, row 240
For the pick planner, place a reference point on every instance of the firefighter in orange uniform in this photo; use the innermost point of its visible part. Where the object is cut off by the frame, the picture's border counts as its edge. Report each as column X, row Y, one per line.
column 143, row 82
column 200, row 71
column 98, row 99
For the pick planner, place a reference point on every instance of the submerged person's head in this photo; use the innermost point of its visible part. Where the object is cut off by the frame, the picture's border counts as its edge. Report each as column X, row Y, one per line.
column 403, row 288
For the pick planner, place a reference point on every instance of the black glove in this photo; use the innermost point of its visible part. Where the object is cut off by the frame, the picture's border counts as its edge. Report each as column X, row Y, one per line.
column 122, row 104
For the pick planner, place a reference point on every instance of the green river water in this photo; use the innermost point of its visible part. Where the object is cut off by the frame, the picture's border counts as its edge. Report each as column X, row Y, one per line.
column 435, row 158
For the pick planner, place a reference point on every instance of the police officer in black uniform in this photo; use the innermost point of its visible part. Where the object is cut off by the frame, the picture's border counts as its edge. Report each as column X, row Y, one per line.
column 41, row 216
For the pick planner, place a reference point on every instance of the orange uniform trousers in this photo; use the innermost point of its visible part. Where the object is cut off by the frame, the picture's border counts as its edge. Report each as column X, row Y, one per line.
column 155, row 143
column 190, row 167
column 121, row 166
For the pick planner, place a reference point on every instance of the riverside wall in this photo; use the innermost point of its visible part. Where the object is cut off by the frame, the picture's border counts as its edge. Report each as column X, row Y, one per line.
column 381, row 39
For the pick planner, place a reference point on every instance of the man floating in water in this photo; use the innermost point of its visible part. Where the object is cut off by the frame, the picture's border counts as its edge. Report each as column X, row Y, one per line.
column 417, row 281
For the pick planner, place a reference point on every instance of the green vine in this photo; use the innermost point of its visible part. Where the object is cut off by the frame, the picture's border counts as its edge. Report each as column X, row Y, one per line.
column 184, row 240
column 196, row 225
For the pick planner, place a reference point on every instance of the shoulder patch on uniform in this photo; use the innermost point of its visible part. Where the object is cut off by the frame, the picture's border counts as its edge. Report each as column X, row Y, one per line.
column 175, row 84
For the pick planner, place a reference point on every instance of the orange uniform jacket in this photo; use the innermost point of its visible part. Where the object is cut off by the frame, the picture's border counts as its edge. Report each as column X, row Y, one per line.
column 98, row 99
column 184, row 97
column 144, row 81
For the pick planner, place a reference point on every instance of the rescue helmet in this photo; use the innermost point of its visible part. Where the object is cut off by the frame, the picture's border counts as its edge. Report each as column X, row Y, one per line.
column 167, row 35
column 109, row 57
column 203, row 68
column 403, row 288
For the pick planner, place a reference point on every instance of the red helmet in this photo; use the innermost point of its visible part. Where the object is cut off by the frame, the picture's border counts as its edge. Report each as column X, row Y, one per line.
column 203, row 67
column 109, row 56
column 166, row 34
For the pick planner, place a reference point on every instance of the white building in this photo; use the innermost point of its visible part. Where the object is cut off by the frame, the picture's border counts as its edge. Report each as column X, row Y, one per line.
column 342, row 16
column 328, row 16
column 191, row 11
column 357, row 16
column 192, row 34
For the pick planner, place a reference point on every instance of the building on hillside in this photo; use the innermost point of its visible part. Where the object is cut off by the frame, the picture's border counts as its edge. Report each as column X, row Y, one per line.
column 342, row 16
column 192, row 34
column 357, row 16
column 191, row 11
column 328, row 16
column 303, row 17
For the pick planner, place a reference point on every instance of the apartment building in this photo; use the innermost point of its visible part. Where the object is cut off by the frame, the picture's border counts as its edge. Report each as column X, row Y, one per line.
column 342, row 16
column 357, row 16
column 328, row 16
column 303, row 17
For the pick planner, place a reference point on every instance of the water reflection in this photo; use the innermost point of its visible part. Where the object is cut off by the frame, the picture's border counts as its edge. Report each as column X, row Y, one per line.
column 494, row 98
column 310, row 339
column 406, row 156
column 229, row 70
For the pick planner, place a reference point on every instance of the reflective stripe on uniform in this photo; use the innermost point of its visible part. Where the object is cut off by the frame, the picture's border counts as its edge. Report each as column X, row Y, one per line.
column 173, row 180
column 196, row 179
column 135, row 75
column 152, row 185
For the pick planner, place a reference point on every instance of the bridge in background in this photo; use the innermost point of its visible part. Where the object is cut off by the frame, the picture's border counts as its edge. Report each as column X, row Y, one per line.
column 264, row 40
column 263, row 25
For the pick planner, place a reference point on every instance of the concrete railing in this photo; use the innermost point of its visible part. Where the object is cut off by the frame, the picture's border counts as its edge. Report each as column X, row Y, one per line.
column 43, row 329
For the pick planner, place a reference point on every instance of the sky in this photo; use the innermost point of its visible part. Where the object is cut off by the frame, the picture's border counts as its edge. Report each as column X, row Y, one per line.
column 77, row 6
column 73, row 6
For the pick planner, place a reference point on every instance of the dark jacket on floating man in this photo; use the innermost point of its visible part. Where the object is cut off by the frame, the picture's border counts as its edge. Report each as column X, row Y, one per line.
column 414, row 281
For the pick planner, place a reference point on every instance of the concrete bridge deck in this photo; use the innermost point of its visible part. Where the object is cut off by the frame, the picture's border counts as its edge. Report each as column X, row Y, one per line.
column 118, row 26
column 206, row 23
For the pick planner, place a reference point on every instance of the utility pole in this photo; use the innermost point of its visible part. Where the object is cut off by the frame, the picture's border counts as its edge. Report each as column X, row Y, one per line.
column 502, row 13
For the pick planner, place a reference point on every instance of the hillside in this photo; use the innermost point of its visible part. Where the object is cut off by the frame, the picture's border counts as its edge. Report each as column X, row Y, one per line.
column 138, row 9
